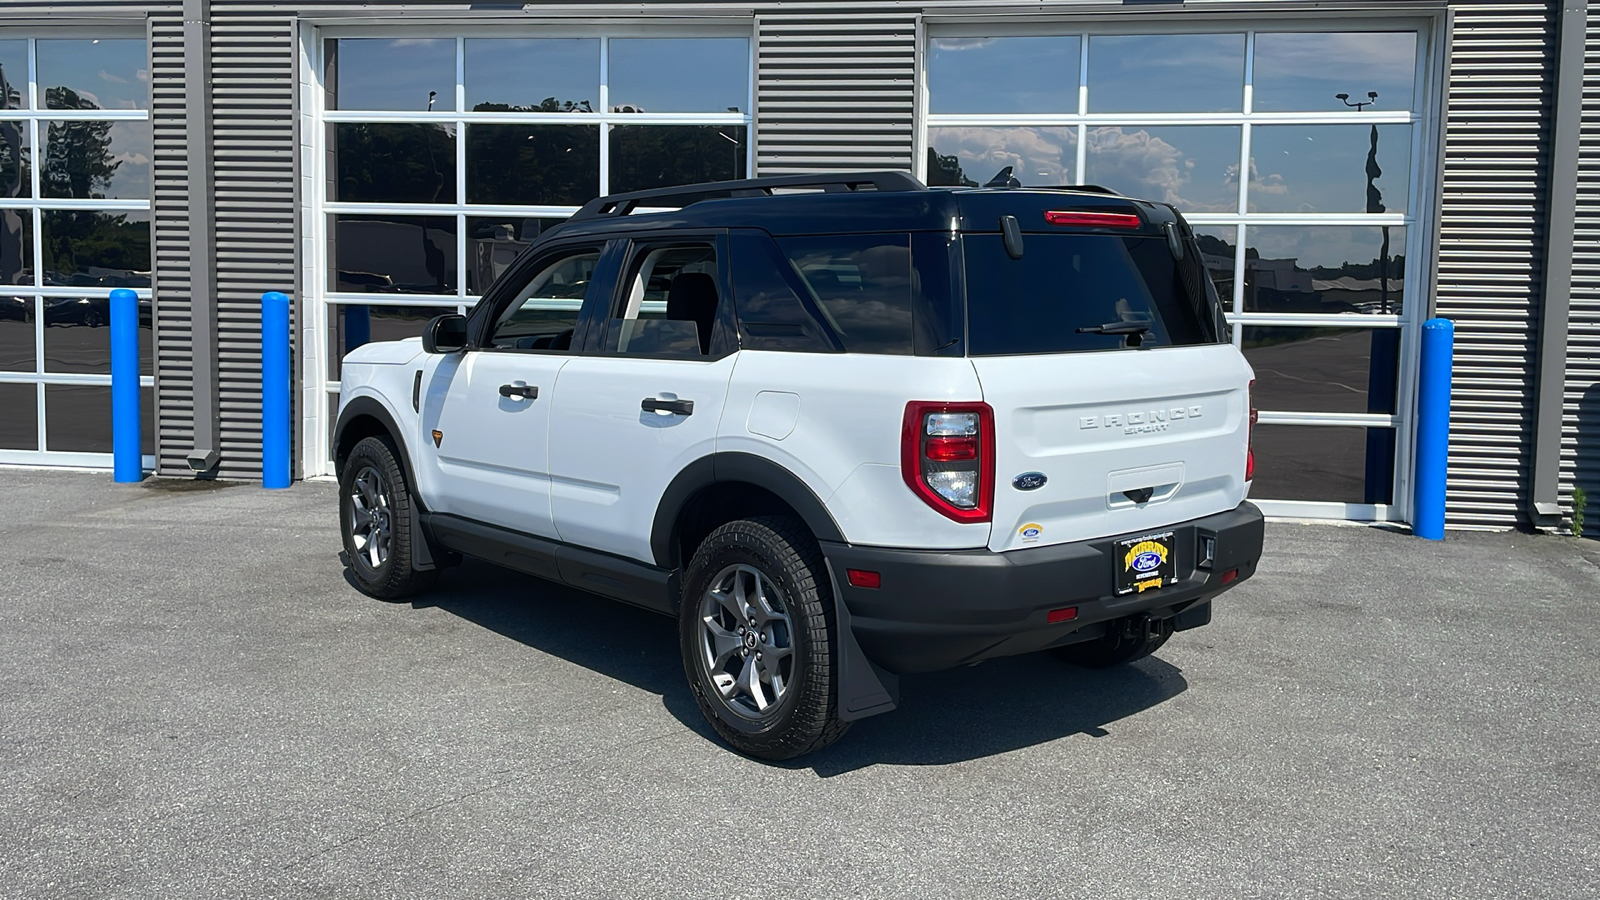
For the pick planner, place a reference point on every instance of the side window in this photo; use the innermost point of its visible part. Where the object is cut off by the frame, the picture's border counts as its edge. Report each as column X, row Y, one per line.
column 669, row 302
column 863, row 285
column 767, row 297
column 544, row 314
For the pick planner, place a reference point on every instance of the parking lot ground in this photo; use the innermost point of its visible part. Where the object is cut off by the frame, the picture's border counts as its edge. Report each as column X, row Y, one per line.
column 194, row 703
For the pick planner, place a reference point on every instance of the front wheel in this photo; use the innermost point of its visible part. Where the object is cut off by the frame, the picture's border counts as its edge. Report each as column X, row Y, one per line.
column 375, row 522
column 756, row 629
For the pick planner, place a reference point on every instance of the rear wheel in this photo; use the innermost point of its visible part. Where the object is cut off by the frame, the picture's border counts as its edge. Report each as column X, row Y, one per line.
column 1125, row 641
column 756, row 630
column 375, row 522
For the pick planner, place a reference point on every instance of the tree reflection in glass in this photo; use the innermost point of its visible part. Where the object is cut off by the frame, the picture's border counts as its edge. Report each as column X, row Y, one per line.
column 651, row 156
column 394, row 163
column 533, row 165
column 13, row 74
column 88, row 248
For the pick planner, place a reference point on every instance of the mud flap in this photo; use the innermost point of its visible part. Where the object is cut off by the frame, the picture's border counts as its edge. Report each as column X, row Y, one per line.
column 864, row 688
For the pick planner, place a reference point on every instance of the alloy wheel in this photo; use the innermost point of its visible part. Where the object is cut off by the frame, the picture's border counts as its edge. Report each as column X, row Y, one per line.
column 746, row 641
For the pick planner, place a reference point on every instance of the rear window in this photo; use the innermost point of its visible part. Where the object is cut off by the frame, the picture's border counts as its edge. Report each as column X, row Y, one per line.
column 1067, row 282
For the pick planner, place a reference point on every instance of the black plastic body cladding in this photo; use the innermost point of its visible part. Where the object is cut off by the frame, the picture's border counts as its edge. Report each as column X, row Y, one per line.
column 939, row 609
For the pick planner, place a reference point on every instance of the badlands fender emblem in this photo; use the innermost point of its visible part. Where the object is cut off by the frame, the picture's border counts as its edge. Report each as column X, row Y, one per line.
column 1029, row 481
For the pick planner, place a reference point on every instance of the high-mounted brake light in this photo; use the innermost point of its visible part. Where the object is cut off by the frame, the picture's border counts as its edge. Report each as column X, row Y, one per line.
column 1092, row 219
column 947, row 457
column 1250, row 436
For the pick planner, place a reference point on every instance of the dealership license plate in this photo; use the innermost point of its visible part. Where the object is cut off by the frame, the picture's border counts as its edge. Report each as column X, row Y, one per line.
column 1145, row 564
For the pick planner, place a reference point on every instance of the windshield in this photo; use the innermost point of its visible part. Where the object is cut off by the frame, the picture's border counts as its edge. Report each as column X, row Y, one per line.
column 1083, row 292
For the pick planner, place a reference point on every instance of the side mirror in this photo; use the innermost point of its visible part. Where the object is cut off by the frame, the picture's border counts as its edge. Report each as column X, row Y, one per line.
column 445, row 334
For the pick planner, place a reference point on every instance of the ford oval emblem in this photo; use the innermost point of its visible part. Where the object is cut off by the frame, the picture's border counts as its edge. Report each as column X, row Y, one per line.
column 1029, row 481
column 1147, row 561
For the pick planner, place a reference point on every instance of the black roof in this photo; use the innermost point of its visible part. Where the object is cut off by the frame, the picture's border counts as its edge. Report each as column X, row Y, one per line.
column 848, row 202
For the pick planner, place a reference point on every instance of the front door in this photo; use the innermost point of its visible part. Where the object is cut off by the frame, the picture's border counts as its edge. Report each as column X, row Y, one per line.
column 485, row 416
column 646, row 403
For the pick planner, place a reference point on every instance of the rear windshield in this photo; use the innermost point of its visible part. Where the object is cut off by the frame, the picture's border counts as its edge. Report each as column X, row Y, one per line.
column 1067, row 282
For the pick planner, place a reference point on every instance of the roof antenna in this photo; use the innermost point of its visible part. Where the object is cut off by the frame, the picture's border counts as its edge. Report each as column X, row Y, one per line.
column 1003, row 179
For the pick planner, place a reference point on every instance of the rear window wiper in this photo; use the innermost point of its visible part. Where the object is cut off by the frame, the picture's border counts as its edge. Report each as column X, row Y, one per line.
column 1133, row 329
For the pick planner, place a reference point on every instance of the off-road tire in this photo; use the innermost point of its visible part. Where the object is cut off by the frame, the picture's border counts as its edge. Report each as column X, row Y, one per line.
column 393, row 578
column 1115, row 647
column 785, row 553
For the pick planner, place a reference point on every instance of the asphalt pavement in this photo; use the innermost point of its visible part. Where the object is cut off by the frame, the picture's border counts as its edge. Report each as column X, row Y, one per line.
column 195, row 703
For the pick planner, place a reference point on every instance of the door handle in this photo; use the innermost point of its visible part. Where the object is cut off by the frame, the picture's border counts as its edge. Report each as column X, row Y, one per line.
column 678, row 407
column 525, row 391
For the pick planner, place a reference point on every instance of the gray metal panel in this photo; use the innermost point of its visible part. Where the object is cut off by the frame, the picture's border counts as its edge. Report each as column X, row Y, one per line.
column 1491, row 249
column 835, row 90
column 253, row 63
column 1580, row 445
column 171, row 247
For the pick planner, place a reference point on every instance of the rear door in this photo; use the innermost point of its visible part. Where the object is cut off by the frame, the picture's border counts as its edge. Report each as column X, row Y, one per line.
column 1119, row 405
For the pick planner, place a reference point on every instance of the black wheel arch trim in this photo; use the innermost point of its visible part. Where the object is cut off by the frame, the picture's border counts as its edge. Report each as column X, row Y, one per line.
column 731, row 467
column 424, row 553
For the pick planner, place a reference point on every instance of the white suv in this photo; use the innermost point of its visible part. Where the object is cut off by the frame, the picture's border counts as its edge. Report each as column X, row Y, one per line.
column 842, row 427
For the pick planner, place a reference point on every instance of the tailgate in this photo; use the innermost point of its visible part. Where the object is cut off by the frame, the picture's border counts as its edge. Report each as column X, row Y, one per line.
column 1127, row 441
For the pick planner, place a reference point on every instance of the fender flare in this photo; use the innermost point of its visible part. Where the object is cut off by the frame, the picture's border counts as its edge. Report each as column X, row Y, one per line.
column 425, row 554
column 736, row 467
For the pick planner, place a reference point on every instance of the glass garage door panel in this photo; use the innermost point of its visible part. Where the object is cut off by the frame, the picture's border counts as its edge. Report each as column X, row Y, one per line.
column 970, row 155
column 1295, row 155
column 75, row 183
column 1324, row 464
column 448, row 156
column 1041, row 74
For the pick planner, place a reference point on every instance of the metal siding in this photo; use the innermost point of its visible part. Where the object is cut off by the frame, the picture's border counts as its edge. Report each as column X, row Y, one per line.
column 835, row 90
column 253, row 67
column 1491, row 249
column 1580, row 444
column 170, row 242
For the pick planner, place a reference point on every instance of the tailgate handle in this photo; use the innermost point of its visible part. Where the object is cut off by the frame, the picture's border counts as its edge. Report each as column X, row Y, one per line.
column 1140, row 495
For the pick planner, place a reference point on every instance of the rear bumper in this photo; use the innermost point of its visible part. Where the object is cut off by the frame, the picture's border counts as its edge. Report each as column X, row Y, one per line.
column 938, row 609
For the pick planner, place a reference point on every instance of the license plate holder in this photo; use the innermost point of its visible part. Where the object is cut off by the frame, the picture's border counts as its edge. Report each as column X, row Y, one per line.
column 1145, row 563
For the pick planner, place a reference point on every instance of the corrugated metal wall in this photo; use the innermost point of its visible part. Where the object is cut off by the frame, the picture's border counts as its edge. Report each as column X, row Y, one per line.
column 253, row 66
column 169, row 178
column 835, row 91
column 1580, row 445
column 1491, row 248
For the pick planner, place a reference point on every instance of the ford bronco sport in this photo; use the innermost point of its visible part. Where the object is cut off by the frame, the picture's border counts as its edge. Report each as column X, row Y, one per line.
column 843, row 427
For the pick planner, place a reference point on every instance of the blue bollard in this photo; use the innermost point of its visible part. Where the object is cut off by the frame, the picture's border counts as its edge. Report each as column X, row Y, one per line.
column 1433, row 427
column 127, row 458
column 275, row 386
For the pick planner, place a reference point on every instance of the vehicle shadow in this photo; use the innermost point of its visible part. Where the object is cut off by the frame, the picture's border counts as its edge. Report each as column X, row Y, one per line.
column 944, row 717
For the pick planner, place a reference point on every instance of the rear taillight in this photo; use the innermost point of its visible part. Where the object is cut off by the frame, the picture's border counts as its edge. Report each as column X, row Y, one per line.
column 947, row 457
column 1083, row 219
column 1250, row 436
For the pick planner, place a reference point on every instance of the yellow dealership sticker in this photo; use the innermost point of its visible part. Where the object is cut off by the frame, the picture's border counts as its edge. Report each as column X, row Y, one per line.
column 1030, row 532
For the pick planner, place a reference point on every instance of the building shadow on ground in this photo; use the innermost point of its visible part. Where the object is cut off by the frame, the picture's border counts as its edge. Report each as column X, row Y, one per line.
column 944, row 717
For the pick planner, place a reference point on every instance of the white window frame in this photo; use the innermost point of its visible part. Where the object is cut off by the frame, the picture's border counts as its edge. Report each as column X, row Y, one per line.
column 37, row 205
column 1419, row 219
column 319, row 394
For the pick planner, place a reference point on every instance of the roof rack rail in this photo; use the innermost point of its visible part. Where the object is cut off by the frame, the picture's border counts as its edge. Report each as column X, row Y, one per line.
column 841, row 182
